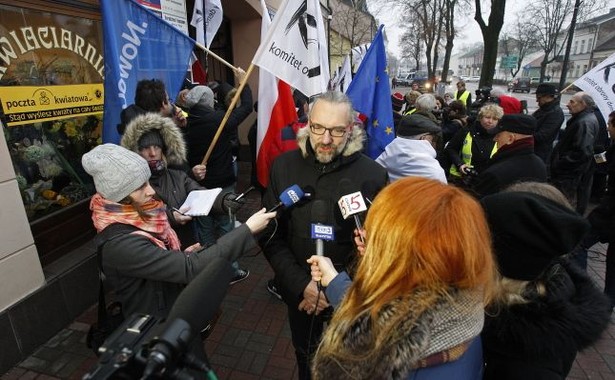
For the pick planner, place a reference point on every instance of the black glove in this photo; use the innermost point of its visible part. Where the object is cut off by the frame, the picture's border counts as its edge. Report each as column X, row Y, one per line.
column 230, row 204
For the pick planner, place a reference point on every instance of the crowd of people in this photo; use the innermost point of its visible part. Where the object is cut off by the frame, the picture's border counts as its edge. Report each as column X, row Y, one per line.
column 471, row 261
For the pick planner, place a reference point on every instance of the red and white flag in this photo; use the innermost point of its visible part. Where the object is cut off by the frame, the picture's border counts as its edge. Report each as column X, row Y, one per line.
column 276, row 110
column 295, row 48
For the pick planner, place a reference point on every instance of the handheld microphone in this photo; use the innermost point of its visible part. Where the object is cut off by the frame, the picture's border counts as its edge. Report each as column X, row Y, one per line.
column 351, row 204
column 320, row 231
column 289, row 197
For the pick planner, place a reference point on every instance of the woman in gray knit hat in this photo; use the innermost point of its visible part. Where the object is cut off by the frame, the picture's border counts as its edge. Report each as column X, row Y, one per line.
column 141, row 254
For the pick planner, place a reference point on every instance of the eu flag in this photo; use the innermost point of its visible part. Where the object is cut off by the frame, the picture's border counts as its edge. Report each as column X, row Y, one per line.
column 138, row 45
column 370, row 93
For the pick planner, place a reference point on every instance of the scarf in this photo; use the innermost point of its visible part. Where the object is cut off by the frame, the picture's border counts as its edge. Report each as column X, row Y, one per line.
column 439, row 334
column 155, row 227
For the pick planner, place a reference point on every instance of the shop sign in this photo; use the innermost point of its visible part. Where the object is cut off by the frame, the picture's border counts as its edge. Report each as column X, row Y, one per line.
column 29, row 104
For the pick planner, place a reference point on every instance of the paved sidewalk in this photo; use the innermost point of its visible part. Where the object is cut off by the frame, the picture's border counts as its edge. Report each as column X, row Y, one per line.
column 252, row 339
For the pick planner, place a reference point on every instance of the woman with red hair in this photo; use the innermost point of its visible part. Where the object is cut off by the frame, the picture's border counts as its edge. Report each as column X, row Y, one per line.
column 415, row 307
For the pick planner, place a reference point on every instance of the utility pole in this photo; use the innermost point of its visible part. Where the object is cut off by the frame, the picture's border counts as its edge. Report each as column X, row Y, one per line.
column 573, row 23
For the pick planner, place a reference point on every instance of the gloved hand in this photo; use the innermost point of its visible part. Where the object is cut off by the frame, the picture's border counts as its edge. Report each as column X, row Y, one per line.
column 229, row 202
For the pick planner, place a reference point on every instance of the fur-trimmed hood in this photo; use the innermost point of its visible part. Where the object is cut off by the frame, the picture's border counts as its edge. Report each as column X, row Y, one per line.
column 550, row 328
column 450, row 321
column 354, row 143
column 172, row 136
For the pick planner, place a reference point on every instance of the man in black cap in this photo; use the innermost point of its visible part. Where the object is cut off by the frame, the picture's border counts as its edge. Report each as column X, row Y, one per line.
column 515, row 160
column 412, row 152
column 549, row 119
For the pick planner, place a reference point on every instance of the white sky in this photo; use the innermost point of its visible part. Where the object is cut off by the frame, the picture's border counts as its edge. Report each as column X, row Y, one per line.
column 469, row 26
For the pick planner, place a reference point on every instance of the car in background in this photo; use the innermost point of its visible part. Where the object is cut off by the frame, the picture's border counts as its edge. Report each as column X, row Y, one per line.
column 473, row 78
column 521, row 84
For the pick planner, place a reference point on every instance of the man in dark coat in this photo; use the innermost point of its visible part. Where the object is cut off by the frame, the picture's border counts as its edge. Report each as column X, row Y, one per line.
column 329, row 153
column 549, row 118
column 515, row 160
column 572, row 159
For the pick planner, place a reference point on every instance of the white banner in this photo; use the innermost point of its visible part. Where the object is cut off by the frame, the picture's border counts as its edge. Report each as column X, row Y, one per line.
column 206, row 20
column 358, row 52
column 599, row 83
column 295, row 49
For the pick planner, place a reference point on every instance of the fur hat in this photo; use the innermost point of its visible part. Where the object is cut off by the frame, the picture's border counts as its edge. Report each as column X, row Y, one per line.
column 515, row 123
column 117, row 171
column 529, row 231
column 397, row 99
column 546, row 89
column 412, row 125
column 202, row 95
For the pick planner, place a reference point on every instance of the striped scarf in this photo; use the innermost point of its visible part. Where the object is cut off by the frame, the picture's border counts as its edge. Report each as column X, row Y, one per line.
column 155, row 227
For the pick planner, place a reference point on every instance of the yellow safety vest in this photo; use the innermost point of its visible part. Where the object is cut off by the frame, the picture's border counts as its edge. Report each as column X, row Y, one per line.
column 464, row 97
column 410, row 112
column 466, row 154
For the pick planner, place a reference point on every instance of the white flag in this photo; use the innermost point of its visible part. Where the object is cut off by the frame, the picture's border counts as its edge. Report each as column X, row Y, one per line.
column 599, row 83
column 358, row 52
column 197, row 21
column 295, row 49
column 206, row 21
column 345, row 75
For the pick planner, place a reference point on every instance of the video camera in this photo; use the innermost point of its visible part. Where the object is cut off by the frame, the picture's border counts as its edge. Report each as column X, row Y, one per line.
column 145, row 347
column 483, row 96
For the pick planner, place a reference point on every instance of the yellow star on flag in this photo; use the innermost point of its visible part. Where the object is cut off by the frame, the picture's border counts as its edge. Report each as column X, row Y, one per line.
column 388, row 130
column 375, row 123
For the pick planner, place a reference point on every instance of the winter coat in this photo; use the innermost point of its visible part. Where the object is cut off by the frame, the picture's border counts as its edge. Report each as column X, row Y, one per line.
column 414, row 340
column 171, row 186
column 291, row 244
column 482, row 146
column 203, row 123
column 511, row 163
column 574, row 151
column 549, row 119
column 404, row 157
column 147, row 279
column 602, row 218
column 540, row 339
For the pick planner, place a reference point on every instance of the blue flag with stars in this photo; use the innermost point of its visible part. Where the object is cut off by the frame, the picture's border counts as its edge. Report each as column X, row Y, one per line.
column 370, row 93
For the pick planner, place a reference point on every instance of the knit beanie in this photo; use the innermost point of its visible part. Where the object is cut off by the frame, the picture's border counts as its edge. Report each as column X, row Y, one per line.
column 397, row 101
column 202, row 95
column 150, row 138
column 529, row 231
column 117, row 171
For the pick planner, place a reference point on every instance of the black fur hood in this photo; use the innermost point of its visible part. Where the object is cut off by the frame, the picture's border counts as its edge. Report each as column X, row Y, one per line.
column 570, row 317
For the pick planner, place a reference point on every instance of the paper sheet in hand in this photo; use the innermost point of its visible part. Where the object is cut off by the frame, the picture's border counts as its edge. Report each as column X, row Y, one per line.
column 199, row 202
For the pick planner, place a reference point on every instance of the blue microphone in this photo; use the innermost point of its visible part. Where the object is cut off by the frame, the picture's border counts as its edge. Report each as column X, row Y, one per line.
column 289, row 197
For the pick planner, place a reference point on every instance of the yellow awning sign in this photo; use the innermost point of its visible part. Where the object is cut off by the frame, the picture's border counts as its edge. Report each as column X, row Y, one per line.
column 29, row 104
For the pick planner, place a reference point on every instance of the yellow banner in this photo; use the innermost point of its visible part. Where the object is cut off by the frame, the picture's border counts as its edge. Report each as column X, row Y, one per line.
column 29, row 104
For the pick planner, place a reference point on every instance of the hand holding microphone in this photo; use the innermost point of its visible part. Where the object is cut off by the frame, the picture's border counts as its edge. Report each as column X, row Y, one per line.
column 259, row 220
column 322, row 269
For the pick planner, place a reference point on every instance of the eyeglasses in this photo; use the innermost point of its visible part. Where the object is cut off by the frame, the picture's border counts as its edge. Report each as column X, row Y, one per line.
column 318, row 129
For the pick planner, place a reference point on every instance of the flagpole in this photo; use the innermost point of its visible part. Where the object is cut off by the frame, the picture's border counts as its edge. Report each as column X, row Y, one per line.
column 230, row 109
column 214, row 55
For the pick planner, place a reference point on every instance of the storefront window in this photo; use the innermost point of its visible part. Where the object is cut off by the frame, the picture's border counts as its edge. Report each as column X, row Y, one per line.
column 51, row 92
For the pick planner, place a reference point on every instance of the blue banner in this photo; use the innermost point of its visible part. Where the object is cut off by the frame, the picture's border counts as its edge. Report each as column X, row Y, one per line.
column 370, row 93
column 138, row 45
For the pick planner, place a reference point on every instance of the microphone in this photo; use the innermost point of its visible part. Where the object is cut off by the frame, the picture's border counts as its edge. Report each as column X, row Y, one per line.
column 351, row 204
column 369, row 189
column 289, row 197
column 320, row 231
column 195, row 306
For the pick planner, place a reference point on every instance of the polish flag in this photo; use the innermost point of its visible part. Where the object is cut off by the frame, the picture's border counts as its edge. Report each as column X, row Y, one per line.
column 276, row 110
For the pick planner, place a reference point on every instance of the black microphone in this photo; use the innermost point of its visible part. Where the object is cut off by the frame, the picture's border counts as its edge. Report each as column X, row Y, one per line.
column 321, row 231
column 369, row 189
column 195, row 306
column 289, row 197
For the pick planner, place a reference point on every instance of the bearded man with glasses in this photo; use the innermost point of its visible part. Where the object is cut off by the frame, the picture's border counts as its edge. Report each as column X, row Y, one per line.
column 330, row 164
